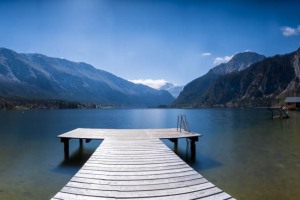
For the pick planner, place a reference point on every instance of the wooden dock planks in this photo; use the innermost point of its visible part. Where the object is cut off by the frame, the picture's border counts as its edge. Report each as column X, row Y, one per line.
column 127, row 167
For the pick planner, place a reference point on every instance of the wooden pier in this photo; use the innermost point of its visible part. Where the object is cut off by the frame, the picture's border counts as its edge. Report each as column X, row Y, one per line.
column 281, row 112
column 136, row 164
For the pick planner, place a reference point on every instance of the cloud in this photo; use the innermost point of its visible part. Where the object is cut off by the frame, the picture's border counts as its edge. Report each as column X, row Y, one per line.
column 290, row 31
column 156, row 84
column 219, row 60
column 206, row 54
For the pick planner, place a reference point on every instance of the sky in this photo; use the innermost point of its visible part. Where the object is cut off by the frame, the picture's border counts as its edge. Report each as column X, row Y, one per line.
column 156, row 40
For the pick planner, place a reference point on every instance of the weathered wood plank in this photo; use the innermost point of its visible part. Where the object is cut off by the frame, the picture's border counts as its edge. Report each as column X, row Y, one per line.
column 133, row 166
column 121, row 177
column 137, row 157
column 133, row 162
column 137, row 134
column 83, row 183
column 139, row 173
column 62, row 195
column 131, row 169
column 141, row 182
column 142, row 194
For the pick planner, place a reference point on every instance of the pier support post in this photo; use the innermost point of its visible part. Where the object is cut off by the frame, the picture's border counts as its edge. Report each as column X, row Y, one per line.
column 193, row 150
column 66, row 146
column 175, row 141
column 80, row 143
column 193, row 147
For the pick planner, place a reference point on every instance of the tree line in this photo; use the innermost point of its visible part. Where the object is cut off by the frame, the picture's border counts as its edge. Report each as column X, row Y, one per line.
column 19, row 103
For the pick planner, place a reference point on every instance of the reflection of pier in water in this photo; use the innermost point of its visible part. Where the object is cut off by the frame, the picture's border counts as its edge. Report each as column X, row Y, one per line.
column 135, row 163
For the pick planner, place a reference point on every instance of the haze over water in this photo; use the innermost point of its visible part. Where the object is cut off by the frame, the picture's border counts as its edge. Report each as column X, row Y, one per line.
column 242, row 151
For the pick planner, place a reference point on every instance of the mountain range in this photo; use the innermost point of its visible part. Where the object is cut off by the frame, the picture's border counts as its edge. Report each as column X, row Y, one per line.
column 265, row 82
column 198, row 87
column 43, row 77
column 248, row 79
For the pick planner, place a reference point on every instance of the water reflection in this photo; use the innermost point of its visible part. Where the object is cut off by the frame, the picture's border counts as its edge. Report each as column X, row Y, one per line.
column 76, row 160
column 200, row 162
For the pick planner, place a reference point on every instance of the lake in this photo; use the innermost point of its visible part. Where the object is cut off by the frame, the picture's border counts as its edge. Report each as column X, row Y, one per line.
column 242, row 151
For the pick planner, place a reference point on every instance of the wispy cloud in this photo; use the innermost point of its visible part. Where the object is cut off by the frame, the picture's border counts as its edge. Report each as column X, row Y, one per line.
column 219, row 60
column 206, row 54
column 290, row 31
column 156, row 84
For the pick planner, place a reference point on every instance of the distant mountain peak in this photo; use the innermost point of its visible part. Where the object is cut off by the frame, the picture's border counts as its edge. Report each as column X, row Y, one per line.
column 160, row 84
column 238, row 62
column 197, row 88
column 174, row 90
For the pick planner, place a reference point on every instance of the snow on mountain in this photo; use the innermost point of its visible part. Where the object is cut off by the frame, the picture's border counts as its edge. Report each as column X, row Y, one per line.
column 161, row 84
column 174, row 90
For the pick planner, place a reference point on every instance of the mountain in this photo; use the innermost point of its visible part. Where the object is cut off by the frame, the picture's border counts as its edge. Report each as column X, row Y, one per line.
column 262, row 84
column 39, row 76
column 198, row 87
column 174, row 90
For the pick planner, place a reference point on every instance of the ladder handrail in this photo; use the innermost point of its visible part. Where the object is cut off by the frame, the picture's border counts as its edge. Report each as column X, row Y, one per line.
column 182, row 123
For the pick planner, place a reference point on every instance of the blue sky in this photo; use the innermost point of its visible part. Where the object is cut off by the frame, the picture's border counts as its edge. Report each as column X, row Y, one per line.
column 171, row 40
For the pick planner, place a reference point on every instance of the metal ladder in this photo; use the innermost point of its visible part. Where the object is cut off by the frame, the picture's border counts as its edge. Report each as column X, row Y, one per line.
column 182, row 123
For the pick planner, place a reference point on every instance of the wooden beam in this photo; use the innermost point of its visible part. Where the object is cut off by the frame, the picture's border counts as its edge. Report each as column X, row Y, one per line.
column 66, row 146
column 193, row 147
column 175, row 141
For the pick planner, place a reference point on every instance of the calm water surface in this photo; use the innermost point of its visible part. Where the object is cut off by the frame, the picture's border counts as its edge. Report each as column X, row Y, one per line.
column 242, row 151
